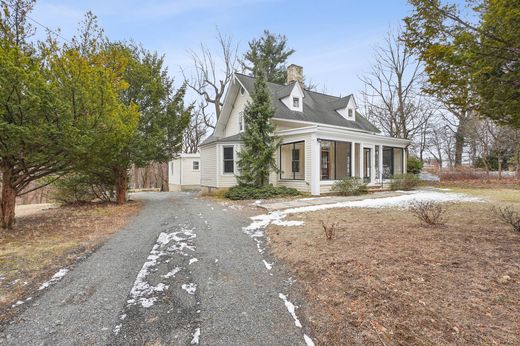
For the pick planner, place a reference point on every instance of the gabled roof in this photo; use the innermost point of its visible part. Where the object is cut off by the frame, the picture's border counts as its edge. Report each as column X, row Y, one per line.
column 317, row 107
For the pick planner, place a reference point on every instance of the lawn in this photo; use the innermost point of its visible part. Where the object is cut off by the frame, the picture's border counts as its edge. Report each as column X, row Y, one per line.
column 43, row 243
column 385, row 279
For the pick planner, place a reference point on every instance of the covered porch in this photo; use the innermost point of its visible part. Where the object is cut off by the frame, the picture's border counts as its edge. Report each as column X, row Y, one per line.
column 327, row 155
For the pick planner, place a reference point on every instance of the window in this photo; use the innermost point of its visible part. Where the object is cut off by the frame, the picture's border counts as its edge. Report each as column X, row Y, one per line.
column 393, row 159
column 335, row 163
column 229, row 161
column 241, row 121
column 296, row 102
column 292, row 161
column 296, row 160
column 196, row 166
column 350, row 113
column 242, row 91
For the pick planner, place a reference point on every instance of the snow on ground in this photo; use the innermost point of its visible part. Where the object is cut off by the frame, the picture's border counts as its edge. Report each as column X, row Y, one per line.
column 167, row 244
column 192, row 260
column 402, row 201
column 308, row 340
column 256, row 229
column 190, row 288
column 291, row 308
column 55, row 278
column 196, row 337
column 171, row 273
column 18, row 303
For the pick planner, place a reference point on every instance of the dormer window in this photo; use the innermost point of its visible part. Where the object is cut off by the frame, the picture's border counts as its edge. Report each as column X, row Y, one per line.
column 350, row 113
column 242, row 91
column 296, row 102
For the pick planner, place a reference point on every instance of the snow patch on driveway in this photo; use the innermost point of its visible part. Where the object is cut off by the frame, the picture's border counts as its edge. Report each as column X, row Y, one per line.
column 167, row 244
column 292, row 309
column 196, row 337
column 190, row 288
column 55, row 278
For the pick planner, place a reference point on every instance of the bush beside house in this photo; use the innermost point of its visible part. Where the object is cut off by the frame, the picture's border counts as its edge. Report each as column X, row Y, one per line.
column 405, row 182
column 350, row 186
column 264, row 192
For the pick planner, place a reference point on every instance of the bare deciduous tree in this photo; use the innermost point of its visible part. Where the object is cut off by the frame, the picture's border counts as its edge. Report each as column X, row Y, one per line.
column 196, row 130
column 212, row 74
column 392, row 95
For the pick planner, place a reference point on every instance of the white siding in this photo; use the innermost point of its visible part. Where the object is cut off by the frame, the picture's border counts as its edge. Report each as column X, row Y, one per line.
column 232, row 127
column 181, row 173
column 208, row 165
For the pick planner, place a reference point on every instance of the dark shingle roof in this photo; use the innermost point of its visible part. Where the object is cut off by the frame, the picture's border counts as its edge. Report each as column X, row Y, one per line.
column 214, row 139
column 317, row 107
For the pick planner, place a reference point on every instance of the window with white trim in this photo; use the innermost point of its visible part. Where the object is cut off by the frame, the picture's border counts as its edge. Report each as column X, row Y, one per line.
column 350, row 113
column 296, row 102
column 229, row 159
column 196, row 165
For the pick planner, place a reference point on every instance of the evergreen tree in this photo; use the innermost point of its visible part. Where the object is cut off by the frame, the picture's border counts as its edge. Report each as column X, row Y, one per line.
column 257, row 157
column 269, row 53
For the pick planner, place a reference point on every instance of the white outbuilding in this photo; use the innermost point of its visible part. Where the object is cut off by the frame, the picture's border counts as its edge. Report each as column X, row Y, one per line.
column 184, row 172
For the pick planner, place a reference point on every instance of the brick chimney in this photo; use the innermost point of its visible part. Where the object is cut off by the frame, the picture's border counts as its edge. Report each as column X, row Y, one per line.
column 294, row 74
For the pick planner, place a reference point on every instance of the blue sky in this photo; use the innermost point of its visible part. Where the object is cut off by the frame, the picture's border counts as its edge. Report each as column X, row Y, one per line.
column 334, row 40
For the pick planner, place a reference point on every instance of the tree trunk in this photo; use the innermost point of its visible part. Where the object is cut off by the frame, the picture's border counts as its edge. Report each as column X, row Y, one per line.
column 7, row 204
column 518, row 162
column 499, row 167
column 120, row 185
column 459, row 146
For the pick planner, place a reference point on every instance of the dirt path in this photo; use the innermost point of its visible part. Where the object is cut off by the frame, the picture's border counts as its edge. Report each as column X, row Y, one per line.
column 182, row 273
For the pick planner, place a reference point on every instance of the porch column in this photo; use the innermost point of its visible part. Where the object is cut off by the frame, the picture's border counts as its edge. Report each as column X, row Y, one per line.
column 315, row 166
column 353, row 159
column 381, row 164
column 405, row 161
column 373, row 165
column 361, row 168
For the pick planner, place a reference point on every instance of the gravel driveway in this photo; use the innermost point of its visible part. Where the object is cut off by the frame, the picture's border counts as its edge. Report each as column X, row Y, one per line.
column 181, row 273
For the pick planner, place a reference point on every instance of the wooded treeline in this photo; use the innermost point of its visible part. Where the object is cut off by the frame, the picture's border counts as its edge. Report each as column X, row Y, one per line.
column 449, row 81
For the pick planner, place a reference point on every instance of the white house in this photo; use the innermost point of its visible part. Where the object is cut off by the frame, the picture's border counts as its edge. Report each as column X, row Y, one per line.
column 184, row 172
column 324, row 138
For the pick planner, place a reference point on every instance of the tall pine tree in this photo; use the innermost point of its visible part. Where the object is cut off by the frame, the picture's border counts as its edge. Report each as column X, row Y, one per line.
column 269, row 53
column 257, row 157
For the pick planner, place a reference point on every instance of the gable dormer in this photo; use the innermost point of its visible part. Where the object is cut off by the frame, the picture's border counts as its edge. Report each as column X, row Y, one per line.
column 348, row 111
column 294, row 101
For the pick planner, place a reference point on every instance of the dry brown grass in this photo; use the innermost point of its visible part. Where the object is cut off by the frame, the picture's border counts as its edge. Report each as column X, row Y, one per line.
column 387, row 280
column 43, row 243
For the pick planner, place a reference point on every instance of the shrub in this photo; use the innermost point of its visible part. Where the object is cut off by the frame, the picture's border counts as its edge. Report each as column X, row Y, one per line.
column 429, row 212
column 508, row 216
column 81, row 188
column 329, row 229
column 413, row 165
column 264, row 192
column 72, row 188
column 404, row 182
column 350, row 186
